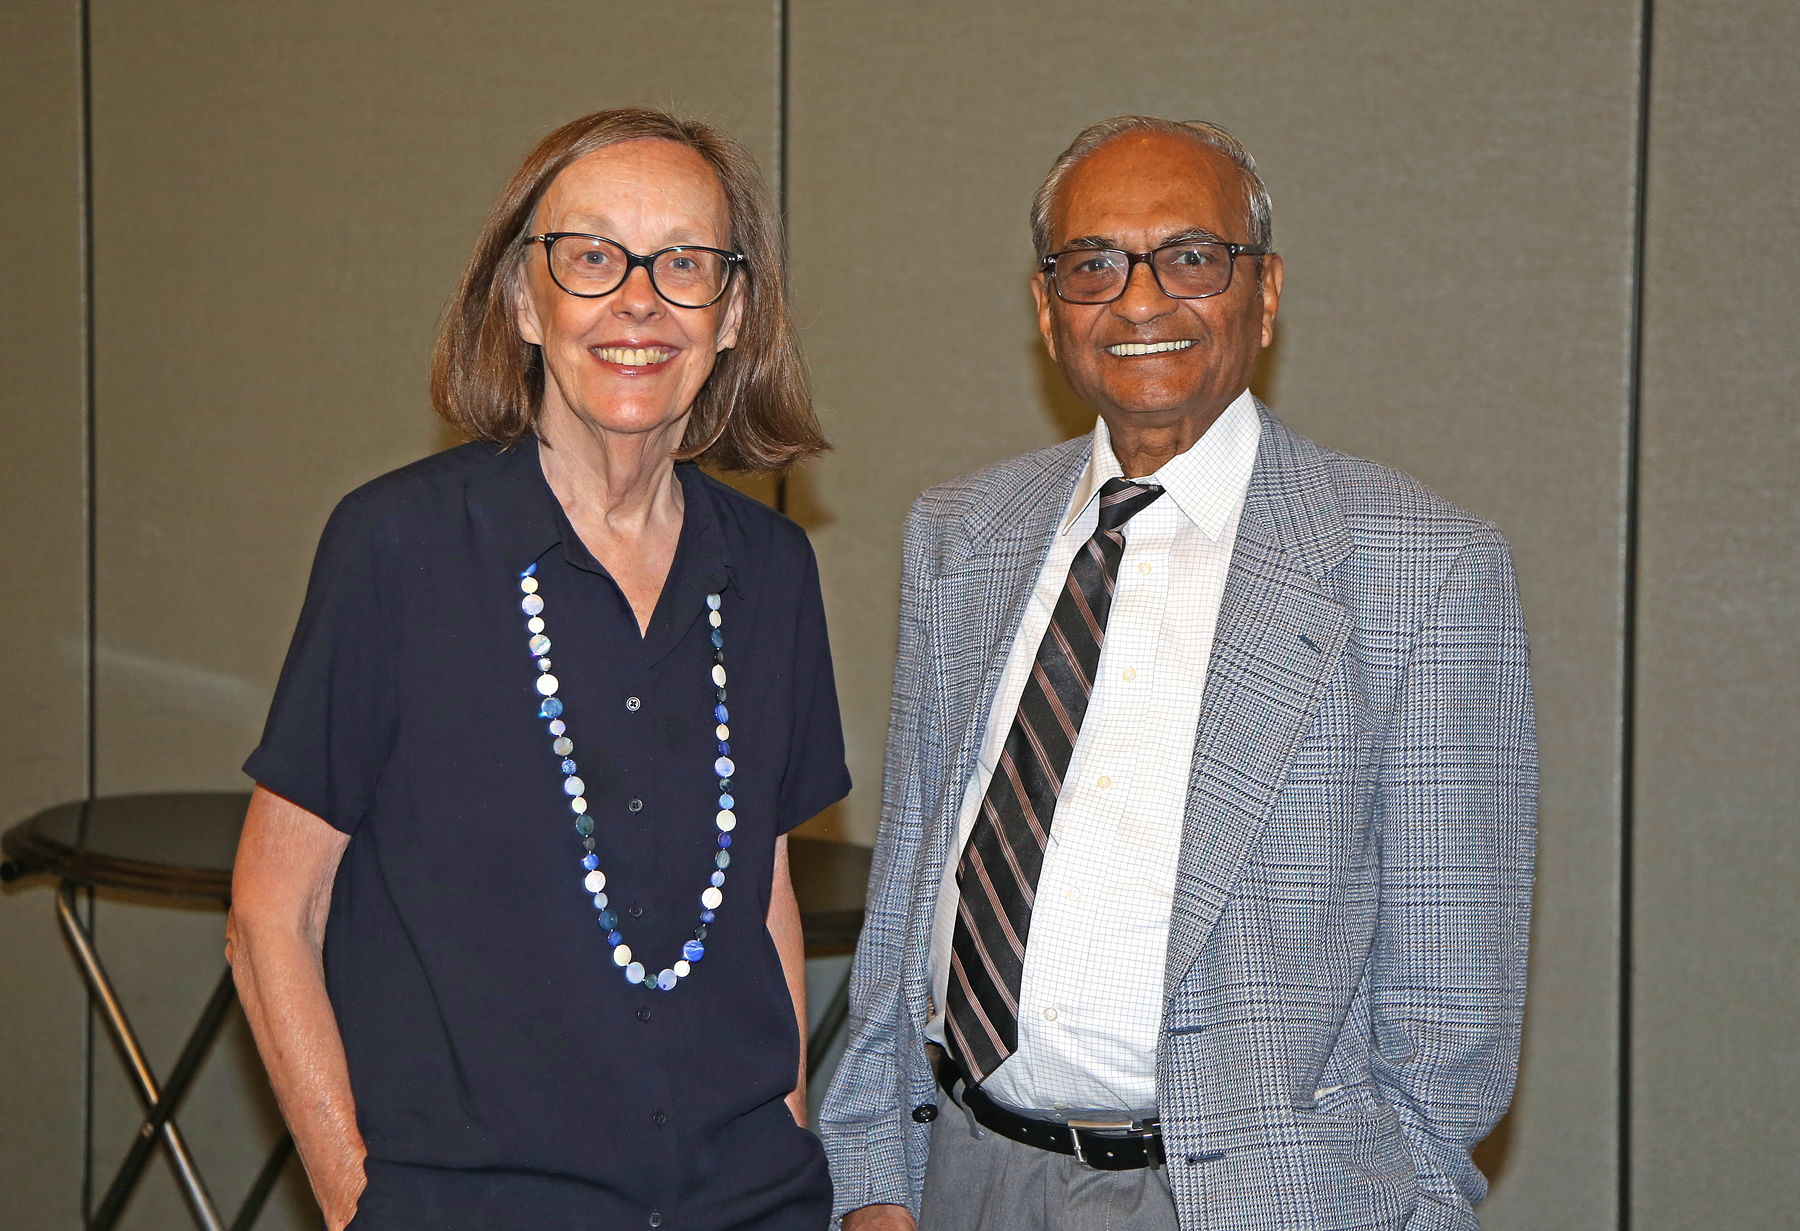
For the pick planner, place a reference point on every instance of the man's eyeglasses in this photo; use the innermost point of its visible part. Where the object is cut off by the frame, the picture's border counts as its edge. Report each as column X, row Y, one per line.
column 590, row 266
column 1192, row 270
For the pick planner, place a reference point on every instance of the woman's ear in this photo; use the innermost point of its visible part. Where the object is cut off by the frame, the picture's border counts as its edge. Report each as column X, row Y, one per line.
column 733, row 317
column 525, row 316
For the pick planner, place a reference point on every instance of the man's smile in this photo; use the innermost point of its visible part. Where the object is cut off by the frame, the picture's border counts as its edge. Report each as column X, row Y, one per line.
column 1125, row 350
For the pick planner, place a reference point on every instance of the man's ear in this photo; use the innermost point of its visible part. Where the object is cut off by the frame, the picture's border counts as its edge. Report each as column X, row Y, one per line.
column 1040, row 291
column 1271, row 295
column 734, row 315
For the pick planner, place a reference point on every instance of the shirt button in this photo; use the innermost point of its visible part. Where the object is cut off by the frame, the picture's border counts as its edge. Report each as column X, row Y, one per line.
column 643, row 1015
column 1103, row 782
column 1128, row 675
column 1049, row 1015
column 634, row 705
column 1072, row 893
column 658, row 1119
column 1144, row 568
column 636, row 805
column 635, row 911
column 656, row 1218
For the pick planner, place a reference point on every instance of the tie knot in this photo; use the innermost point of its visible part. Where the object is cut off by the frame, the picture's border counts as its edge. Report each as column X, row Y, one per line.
column 1123, row 499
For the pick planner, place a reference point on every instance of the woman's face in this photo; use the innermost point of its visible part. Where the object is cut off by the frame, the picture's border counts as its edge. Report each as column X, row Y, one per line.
column 648, row 195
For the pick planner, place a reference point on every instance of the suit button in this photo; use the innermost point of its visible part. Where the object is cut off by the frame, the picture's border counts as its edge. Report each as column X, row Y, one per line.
column 925, row 1113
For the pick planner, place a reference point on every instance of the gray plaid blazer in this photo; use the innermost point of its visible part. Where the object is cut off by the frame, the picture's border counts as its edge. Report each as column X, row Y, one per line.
column 1346, row 963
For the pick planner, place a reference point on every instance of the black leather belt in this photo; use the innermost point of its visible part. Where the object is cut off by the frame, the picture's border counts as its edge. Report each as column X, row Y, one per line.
column 1125, row 1146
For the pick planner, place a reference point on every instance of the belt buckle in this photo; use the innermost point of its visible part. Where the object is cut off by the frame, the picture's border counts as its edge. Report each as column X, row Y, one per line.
column 1076, row 1127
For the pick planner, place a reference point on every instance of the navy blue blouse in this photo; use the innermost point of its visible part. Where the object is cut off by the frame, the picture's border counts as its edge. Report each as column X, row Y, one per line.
column 505, row 1073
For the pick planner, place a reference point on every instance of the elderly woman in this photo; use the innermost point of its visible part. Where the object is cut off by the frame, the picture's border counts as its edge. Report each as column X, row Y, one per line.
column 511, row 919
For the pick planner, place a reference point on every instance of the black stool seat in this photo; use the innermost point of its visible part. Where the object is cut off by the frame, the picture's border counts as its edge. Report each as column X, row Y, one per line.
column 178, row 844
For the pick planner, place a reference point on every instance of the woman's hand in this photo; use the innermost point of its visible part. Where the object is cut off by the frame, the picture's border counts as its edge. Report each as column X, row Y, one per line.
column 281, row 884
column 790, row 943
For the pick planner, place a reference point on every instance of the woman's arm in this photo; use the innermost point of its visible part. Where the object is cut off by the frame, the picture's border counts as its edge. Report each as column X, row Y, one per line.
column 784, row 926
column 274, row 937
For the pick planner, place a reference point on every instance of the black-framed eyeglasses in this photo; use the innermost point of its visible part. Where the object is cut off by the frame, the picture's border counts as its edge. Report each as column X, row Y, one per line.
column 1193, row 269
column 589, row 266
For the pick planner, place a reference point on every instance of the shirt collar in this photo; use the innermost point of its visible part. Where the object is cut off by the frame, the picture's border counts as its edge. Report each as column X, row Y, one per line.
column 1207, row 483
column 529, row 521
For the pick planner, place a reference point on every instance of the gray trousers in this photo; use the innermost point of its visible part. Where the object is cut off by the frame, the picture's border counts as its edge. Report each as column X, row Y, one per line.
column 992, row 1183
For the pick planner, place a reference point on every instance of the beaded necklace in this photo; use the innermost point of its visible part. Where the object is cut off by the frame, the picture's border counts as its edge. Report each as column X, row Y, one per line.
column 593, row 879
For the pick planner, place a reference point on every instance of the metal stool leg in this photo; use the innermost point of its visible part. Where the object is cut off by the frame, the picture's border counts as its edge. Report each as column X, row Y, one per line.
column 187, row 1175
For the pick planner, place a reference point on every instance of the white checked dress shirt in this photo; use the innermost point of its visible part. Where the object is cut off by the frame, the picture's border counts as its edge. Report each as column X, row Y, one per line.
column 1090, row 1007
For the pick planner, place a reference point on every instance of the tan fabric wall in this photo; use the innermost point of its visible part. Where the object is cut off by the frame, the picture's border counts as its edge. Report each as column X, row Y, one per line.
column 1716, row 1005
column 283, row 198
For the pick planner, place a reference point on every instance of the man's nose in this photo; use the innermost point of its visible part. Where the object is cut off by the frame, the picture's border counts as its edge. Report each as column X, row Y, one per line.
column 1143, row 299
column 637, row 296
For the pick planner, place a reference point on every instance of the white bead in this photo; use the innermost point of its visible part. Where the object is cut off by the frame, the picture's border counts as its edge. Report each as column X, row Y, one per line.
column 719, row 674
column 531, row 605
column 595, row 881
column 726, row 820
column 562, row 746
column 715, row 619
column 540, row 644
column 579, row 804
column 634, row 973
column 711, row 898
column 557, row 726
column 622, row 956
column 712, row 601
column 529, row 585
column 722, row 731
column 535, row 624
column 546, row 684
column 573, row 785
column 543, row 664
column 599, row 901
column 681, row 969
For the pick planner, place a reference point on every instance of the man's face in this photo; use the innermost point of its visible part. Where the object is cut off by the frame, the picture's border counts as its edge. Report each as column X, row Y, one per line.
column 1136, row 193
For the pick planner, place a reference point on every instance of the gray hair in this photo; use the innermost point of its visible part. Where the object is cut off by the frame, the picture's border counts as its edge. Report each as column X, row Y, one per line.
column 1091, row 138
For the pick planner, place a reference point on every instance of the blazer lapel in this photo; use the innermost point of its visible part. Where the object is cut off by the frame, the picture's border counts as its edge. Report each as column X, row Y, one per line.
column 1279, row 637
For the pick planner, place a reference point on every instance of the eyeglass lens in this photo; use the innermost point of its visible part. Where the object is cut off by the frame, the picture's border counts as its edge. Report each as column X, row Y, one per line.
column 1184, row 271
column 589, row 266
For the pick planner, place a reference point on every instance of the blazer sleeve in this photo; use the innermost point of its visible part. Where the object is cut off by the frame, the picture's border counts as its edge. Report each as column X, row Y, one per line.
column 865, row 1120
column 1458, row 804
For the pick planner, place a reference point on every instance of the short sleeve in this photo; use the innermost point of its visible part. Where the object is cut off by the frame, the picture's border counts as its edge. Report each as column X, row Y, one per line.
column 331, row 724
column 816, row 776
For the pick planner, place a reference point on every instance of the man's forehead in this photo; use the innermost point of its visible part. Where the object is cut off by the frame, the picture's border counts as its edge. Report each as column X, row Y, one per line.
column 1152, row 186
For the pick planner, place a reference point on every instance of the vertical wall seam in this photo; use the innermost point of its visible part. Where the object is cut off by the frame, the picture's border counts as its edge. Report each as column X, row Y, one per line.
column 1629, row 617
column 781, row 176
column 85, row 172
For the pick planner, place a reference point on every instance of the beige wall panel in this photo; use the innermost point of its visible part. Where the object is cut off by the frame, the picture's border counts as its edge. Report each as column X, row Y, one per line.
column 1717, row 1061
column 43, row 588
column 285, row 198
column 1452, row 192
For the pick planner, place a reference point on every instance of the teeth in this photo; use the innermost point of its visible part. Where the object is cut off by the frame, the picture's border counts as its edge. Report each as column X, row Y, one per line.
column 634, row 357
column 1147, row 348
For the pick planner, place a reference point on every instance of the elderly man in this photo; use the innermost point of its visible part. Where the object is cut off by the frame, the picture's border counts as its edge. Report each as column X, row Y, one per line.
column 1204, row 872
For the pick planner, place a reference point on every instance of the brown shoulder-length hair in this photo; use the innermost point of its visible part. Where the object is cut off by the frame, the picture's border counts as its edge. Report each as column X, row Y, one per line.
column 755, row 410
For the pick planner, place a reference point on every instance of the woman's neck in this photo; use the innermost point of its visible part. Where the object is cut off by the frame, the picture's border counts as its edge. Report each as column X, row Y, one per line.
column 621, row 483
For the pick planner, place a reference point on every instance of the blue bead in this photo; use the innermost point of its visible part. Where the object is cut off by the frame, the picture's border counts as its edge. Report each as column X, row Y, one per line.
column 665, row 980
column 584, row 825
column 590, row 861
column 718, row 639
column 609, row 919
column 693, row 951
column 722, row 859
column 718, row 878
column 614, row 939
column 551, row 708
column 725, row 785
column 706, row 916
column 724, row 839
column 724, row 748
column 726, row 801
column 721, row 714
column 530, row 569
column 568, row 767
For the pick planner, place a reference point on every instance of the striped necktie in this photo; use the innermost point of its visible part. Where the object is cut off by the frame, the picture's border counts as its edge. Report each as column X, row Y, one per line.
column 997, row 876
